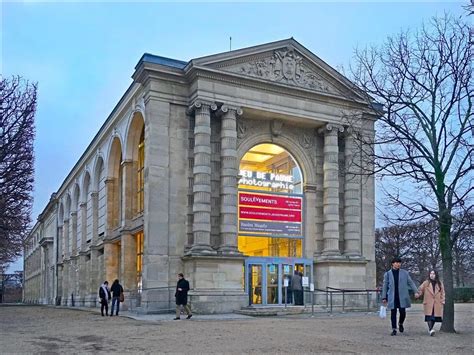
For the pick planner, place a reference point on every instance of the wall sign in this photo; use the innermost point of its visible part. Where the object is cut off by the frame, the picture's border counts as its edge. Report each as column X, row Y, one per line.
column 271, row 215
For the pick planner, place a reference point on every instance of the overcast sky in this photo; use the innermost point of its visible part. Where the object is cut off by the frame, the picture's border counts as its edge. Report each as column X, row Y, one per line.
column 82, row 54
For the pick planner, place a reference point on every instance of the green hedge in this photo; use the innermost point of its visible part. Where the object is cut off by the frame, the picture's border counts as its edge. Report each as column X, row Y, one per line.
column 463, row 294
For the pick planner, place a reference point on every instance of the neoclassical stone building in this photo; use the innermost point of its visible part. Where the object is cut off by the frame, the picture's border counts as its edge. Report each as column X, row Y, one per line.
column 234, row 168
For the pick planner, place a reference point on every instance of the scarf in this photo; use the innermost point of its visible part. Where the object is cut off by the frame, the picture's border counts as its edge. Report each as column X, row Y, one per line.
column 106, row 291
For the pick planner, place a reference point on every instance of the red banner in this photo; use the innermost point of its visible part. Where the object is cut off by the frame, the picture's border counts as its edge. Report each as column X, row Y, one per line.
column 267, row 200
column 269, row 214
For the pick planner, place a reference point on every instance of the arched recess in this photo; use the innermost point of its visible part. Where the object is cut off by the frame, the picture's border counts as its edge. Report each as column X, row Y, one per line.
column 60, row 232
column 99, row 189
column 114, row 184
column 304, row 161
column 135, row 157
column 67, row 217
column 86, row 200
column 76, row 231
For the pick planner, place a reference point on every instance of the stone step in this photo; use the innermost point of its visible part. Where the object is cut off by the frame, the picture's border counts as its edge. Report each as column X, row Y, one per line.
column 265, row 311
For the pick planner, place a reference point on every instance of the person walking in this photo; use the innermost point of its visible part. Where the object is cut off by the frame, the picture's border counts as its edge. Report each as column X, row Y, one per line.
column 182, row 288
column 104, row 295
column 396, row 283
column 116, row 290
column 433, row 300
column 297, row 288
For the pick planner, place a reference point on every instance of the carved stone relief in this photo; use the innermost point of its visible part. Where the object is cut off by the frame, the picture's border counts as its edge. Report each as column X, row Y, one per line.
column 285, row 66
column 241, row 129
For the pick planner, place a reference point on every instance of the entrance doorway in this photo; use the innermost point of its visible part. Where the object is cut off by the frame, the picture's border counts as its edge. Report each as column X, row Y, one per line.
column 265, row 279
column 270, row 225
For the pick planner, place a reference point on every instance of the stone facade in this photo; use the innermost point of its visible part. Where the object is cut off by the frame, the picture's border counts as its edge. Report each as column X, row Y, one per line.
column 155, row 193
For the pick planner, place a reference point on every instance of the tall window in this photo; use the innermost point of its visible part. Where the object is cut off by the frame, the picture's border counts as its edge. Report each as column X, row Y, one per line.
column 139, row 239
column 140, row 175
column 270, row 203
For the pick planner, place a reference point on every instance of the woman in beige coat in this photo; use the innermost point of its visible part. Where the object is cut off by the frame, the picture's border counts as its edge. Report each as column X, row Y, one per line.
column 433, row 300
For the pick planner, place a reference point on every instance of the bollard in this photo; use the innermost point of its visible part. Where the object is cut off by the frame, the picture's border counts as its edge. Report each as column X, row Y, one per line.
column 343, row 301
column 72, row 299
column 330, row 295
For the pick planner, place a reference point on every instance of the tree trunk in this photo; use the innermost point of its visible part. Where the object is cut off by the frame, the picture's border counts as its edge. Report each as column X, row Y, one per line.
column 446, row 247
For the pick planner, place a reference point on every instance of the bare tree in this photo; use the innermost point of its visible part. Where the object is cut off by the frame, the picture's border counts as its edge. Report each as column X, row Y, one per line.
column 416, row 244
column 423, row 149
column 463, row 250
column 17, row 131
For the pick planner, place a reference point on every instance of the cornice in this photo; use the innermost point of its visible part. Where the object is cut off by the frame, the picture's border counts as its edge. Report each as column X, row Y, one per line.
column 273, row 87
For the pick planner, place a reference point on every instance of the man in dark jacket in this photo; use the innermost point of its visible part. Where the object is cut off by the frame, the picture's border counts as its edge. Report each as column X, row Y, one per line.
column 104, row 295
column 297, row 288
column 182, row 288
column 395, row 293
column 116, row 290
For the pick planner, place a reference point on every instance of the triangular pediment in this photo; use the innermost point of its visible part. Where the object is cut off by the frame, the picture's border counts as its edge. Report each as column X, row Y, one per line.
column 285, row 62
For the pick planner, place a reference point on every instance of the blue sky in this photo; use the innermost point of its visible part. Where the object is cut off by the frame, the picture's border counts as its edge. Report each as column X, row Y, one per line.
column 82, row 54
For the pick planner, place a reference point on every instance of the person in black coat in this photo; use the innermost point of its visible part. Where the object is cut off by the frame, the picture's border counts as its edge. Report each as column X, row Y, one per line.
column 116, row 290
column 182, row 288
column 104, row 295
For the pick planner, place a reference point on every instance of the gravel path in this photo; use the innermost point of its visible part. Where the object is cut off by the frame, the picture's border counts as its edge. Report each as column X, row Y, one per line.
column 38, row 329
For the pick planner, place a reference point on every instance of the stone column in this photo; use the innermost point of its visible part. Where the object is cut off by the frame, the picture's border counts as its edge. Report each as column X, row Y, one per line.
column 83, row 274
column 94, row 275
column 74, row 232
column 95, row 217
column 202, row 179
column 228, row 183
column 66, row 239
column 129, row 262
column 60, row 245
column 112, row 218
column 83, row 277
column 65, row 285
column 351, row 200
column 111, row 255
column 127, row 192
column 331, row 190
column 310, row 220
column 83, row 208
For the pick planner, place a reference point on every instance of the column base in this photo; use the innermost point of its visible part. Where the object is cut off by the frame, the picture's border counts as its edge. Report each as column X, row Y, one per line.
column 201, row 249
column 229, row 250
column 216, row 283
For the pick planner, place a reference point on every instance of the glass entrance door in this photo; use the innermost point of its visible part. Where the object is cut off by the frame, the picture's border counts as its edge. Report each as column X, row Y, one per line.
column 265, row 279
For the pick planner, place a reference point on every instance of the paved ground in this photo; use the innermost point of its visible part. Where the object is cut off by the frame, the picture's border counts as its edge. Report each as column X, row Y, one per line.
column 37, row 329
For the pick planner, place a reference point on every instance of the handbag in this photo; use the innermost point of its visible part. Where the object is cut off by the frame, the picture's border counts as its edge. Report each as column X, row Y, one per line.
column 383, row 312
column 122, row 297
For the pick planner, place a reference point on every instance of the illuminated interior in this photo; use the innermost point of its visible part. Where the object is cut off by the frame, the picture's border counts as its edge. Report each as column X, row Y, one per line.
column 270, row 158
column 139, row 240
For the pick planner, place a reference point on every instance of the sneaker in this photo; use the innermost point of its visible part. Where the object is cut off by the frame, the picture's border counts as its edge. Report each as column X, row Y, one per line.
column 400, row 328
column 189, row 316
column 176, row 318
column 394, row 332
column 432, row 332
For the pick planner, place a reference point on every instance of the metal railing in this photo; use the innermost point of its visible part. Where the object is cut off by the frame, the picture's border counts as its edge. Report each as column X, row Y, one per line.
column 333, row 298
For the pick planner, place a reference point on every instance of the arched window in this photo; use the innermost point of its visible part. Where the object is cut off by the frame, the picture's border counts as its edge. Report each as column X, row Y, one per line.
column 270, row 203
column 140, row 173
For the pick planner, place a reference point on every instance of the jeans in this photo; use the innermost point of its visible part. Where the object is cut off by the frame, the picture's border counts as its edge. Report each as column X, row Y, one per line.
column 393, row 316
column 115, row 300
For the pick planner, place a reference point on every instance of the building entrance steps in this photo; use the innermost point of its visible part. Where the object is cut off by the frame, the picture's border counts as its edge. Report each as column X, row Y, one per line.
column 265, row 311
